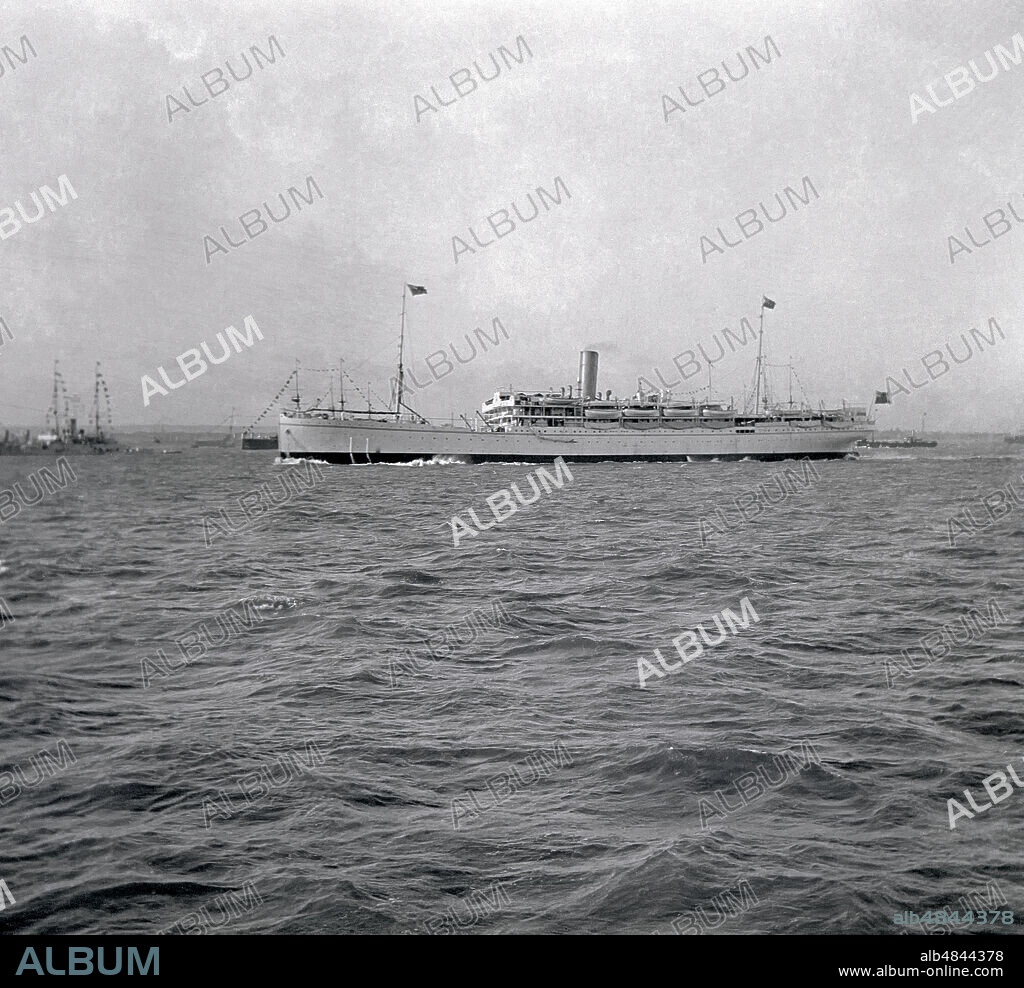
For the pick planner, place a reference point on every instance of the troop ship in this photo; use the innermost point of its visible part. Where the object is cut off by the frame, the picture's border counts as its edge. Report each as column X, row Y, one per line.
column 539, row 426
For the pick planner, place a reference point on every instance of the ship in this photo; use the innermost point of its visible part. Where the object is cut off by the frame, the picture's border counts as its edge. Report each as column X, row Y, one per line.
column 907, row 442
column 252, row 440
column 222, row 443
column 541, row 426
column 62, row 433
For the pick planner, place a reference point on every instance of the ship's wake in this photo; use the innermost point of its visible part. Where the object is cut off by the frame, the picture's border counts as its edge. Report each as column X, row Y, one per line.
column 434, row 461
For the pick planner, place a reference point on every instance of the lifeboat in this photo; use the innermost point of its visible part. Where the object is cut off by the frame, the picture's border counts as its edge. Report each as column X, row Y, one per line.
column 641, row 416
column 602, row 411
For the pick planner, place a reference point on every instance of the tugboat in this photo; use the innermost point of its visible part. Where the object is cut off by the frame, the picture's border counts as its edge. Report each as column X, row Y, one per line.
column 907, row 442
column 540, row 426
column 250, row 440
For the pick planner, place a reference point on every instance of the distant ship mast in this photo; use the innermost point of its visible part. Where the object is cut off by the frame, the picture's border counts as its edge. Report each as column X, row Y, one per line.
column 101, row 383
column 59, row 392
column 96, row 403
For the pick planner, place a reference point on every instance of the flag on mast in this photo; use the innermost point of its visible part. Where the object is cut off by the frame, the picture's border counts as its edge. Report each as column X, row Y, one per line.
column 882, row 398
column 767, row 303
column 416, row 290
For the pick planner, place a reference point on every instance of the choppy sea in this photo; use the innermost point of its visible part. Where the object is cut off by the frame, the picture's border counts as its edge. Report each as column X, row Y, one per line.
column 366, row 729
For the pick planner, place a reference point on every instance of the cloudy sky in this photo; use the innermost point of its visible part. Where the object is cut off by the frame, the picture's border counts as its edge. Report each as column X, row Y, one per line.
column 861, row 274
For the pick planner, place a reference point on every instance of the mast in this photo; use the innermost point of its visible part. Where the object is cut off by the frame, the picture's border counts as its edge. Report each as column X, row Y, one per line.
column 56, row 414
column 401, row 350
column 766, row 303
column 67, row 407
column 757, row 374
column 60, row 422
column 96, row 400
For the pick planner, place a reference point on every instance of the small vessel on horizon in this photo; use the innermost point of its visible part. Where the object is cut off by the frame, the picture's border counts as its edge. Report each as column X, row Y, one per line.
column 252, row 440
column 224, row 442
column 907, row 442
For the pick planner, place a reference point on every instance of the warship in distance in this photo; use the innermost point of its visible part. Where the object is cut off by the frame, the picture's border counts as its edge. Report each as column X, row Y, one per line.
column 540, row 426
column 62, row 433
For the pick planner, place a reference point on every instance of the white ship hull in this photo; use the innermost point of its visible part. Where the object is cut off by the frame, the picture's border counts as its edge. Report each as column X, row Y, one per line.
column 353, row 440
